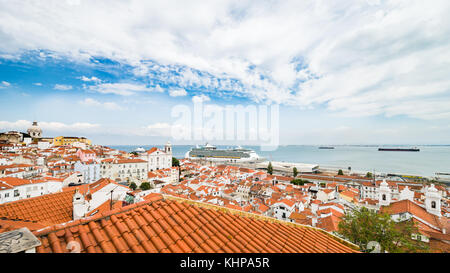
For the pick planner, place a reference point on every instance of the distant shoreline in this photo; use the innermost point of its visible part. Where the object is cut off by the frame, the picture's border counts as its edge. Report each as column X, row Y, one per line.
column 361, row 158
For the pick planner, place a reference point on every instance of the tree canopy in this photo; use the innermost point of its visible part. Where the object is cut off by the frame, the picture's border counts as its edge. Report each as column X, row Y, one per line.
column 270, row 168
column 145, row 186
column 295, row 171
column 175, row 162
column 340, row 172
column 299, row 182
column 363, row 225
column 133, row 186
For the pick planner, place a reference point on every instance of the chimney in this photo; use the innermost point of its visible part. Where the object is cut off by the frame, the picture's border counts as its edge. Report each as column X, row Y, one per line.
column 80, row 205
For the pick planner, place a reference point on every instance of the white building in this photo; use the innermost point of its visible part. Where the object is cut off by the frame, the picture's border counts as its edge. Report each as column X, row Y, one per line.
column 13, row 189
column 89, row 170
column 325, row 195
column 99, row 192
column 158, row 159
column 129, row 170
column 283, row 209
column 169, row 176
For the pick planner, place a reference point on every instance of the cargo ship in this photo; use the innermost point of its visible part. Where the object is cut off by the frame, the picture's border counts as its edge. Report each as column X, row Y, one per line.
column 399, row 149
column 326, row 147
column 210, row 152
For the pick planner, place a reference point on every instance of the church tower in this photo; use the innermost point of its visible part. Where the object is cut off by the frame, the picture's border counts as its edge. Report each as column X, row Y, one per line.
column 168, row 148
column 384, row 198
column 433, row 200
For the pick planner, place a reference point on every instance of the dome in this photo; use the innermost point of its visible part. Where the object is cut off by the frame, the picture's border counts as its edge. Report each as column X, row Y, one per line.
column 35, row 131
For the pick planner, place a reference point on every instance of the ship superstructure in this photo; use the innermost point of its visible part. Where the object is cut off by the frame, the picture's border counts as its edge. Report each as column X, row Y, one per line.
column 210, row 152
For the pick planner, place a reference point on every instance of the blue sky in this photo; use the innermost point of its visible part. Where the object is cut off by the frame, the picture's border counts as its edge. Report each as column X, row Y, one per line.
column 346, row 72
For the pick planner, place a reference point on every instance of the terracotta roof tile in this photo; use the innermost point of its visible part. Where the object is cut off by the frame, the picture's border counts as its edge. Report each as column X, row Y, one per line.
column 186, row 228
column 46, row 209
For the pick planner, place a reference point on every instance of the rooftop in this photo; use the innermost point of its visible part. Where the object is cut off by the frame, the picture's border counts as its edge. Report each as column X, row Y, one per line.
column 167, row 224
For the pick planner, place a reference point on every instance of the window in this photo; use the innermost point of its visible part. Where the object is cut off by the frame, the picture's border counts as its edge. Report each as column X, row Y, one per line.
column 384, row 197
column 16, row 193
column 433, row 204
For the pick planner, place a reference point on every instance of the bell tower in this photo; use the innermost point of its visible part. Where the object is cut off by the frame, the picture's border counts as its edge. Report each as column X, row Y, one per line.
column 384, row 192
column 433, row 200
column 168, row 148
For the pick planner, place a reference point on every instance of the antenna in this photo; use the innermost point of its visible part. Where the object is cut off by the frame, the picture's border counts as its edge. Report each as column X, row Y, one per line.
column 110, row 202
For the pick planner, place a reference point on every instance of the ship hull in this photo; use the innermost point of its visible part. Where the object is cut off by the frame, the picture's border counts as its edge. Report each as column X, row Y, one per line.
column 398, row 150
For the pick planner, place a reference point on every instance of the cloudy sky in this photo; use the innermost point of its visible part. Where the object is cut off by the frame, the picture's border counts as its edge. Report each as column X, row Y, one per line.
column 343, row 72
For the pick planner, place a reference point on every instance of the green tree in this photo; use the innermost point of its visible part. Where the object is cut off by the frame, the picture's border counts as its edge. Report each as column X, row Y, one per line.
column 340, row 172
column 133, row 186
column 145, row 186
column 295, row 171
column 134, row 153
column 369, row 175
column 270, row 168
column 299, row 182
column 362, row 226
column 175, row 162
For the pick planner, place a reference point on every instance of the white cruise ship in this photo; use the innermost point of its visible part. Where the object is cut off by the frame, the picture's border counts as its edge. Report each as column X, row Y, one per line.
column 210, row 152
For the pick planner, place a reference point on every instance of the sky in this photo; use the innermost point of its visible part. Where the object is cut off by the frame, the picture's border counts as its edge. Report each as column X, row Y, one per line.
column 342, row 72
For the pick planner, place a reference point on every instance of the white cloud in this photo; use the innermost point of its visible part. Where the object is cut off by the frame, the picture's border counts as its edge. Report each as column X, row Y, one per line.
column 157, row 129
column 17, row 125
column 4, row 84
column 23, row 125
column 91, row 79
column 63, row 87
column 200, row 98
column 177, row 92
column 106, row 105
column 38, row 84
column 307, row 53
column 123, row 89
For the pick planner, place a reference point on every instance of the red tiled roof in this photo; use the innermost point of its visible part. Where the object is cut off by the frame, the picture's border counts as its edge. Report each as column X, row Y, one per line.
column 329, row 223
column 47, row 209
column 8, row 225
column 166, row 225
column 414, row 209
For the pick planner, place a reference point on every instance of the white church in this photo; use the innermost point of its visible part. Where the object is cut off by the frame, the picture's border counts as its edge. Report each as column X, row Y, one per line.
column 158, row 159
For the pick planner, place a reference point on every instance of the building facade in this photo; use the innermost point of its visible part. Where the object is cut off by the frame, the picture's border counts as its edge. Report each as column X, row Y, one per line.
column 158, row 159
